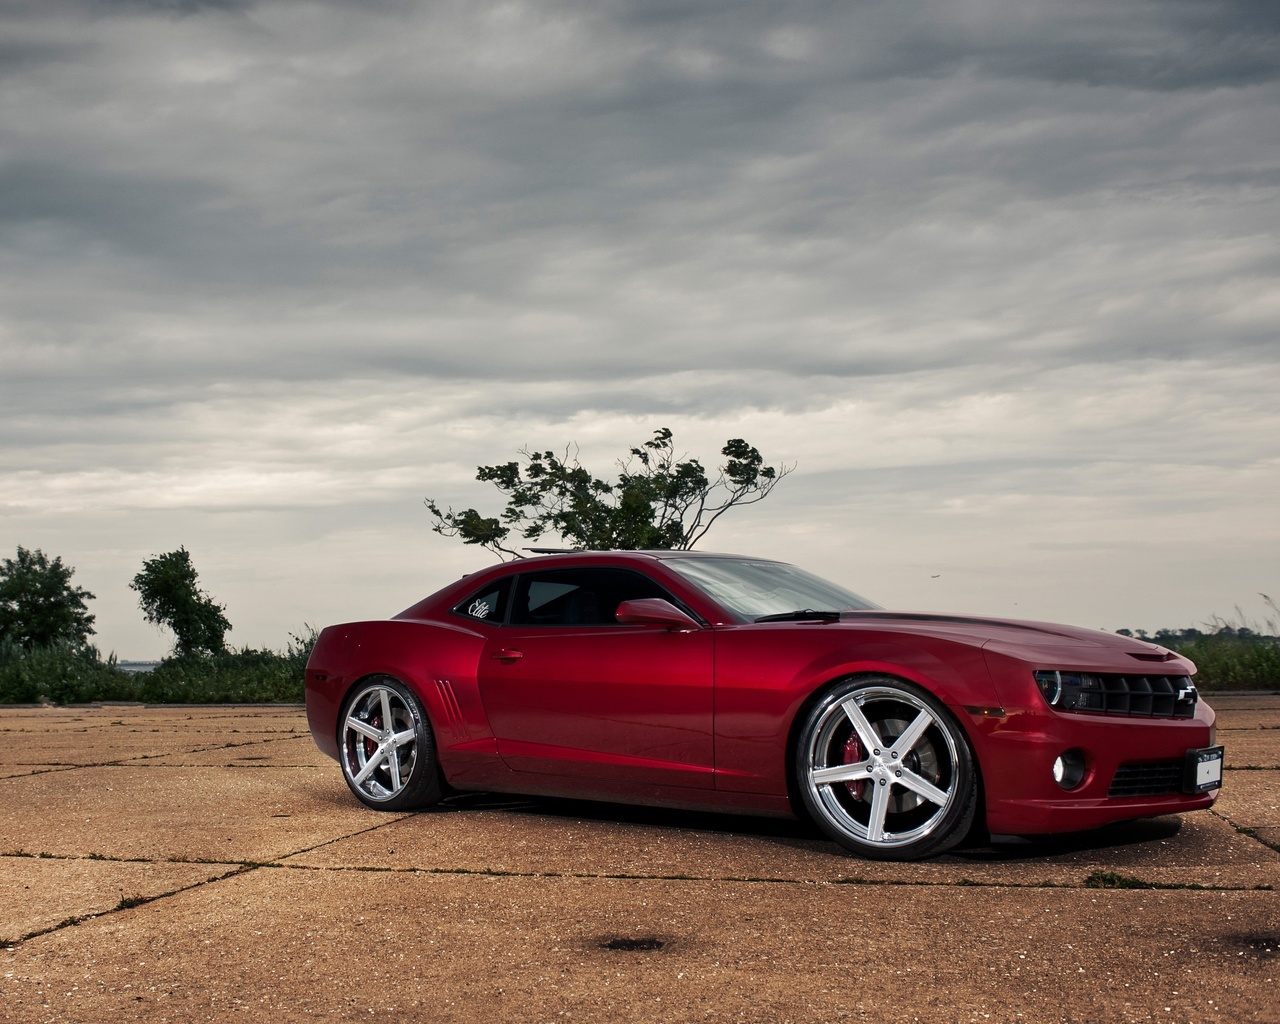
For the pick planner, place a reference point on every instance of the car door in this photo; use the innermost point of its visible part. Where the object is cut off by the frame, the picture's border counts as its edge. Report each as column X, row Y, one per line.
column 569, row 691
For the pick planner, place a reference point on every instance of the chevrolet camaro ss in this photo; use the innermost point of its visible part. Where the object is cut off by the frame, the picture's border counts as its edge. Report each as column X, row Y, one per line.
column 692, row 680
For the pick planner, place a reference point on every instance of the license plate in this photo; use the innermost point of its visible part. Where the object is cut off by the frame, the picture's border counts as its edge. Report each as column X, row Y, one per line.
column 1203, row 770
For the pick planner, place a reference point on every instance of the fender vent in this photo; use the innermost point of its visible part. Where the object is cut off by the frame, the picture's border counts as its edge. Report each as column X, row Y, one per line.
column 452, row 710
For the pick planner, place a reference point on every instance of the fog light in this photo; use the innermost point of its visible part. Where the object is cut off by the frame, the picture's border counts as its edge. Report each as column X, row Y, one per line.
column 1068, row 769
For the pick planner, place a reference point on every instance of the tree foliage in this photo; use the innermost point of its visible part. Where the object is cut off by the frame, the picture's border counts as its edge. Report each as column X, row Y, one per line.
column 657, row 501
column 38, row 605
column 170, row 595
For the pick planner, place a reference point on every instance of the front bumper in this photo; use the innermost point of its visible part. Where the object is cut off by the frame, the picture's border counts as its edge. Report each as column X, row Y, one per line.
column 1016, row 753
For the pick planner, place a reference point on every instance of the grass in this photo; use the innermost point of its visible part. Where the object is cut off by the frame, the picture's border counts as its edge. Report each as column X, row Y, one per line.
column 67, row 675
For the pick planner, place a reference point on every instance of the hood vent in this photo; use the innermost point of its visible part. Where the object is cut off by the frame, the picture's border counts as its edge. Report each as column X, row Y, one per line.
column 1153, row 655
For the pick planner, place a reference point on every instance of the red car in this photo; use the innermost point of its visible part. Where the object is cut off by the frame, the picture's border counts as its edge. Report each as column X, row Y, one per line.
column 691, row 680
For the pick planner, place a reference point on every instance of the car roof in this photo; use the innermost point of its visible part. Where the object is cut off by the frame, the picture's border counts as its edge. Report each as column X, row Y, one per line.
column 660, row 554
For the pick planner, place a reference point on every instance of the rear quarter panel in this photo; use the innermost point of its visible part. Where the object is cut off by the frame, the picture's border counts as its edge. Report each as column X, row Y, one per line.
column 436, row 660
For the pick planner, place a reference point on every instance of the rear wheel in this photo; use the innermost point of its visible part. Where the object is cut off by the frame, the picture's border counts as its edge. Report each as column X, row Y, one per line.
column 885, row 771
column 386, row 749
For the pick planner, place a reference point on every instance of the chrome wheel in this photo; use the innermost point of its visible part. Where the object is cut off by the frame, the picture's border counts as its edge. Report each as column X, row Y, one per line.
column 388, row 757
column 885, row 771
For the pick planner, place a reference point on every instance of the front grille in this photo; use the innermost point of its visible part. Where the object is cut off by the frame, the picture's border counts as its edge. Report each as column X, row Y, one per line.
column 1114, row 694
column 1147, row 778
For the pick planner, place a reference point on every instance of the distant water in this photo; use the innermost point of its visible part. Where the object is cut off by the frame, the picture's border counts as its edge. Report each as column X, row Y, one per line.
column 136, row 666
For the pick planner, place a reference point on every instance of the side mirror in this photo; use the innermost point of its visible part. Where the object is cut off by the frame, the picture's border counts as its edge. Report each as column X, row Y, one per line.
column 654, row 611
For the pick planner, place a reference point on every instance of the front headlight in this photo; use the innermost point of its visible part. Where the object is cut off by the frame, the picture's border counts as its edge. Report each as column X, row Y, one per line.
column 1071, row 691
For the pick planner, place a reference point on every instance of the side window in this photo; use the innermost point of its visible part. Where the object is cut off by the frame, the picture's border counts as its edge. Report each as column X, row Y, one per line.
column 578, row 597
column 488, row 604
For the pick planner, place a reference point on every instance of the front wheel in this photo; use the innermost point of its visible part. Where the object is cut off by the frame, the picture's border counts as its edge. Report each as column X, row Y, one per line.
column 385, row 745
column 885, row 771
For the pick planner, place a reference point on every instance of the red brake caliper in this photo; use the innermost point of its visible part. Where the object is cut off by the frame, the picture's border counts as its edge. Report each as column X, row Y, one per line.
column 852, row 755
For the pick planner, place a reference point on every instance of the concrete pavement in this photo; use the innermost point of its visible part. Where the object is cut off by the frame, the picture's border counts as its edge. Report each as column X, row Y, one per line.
column 190, row 864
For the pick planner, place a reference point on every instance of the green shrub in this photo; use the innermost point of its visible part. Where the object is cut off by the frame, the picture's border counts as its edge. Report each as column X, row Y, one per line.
column 1232, row 654
column 246, row 676
column 63, row 673
column 67, row 675
column 1233, row 662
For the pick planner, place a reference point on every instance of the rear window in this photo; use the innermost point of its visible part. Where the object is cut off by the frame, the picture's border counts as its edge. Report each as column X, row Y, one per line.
column 488, row 604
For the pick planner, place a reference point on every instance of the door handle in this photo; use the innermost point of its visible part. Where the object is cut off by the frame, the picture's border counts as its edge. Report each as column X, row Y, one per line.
column 507, row 655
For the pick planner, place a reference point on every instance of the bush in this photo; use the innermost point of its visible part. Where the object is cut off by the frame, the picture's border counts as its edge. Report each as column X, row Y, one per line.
column 63, row 673
column 246, row 676
column 1233, row 654
column 1232, row 662
column 67, row 675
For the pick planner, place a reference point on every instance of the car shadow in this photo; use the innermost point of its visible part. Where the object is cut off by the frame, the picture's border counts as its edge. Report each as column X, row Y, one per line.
column 977, row 848
column 1111, row 838
column 631, row 814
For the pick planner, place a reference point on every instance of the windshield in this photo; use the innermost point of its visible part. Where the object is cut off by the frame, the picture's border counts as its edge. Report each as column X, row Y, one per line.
column 751, row 589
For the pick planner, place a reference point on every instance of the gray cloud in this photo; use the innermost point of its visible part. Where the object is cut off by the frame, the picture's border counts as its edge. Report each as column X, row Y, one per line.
column 270, row 263
column 1145, row 46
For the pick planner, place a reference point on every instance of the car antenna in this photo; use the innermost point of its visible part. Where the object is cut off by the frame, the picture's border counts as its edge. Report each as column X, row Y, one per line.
column 553, row 551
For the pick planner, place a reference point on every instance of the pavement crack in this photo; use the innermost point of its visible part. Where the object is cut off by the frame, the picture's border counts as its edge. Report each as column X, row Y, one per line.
column 1114, row 880
column 47, row 770
column 126, row 903
column 1096, row 880
column 1246, row 830
column 197, row 764
column 148, row 760
column 338, row 839
column 96, row 856
column 235, row 862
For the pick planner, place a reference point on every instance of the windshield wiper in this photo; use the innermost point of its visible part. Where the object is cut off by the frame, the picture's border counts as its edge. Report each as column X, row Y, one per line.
column 801, row 615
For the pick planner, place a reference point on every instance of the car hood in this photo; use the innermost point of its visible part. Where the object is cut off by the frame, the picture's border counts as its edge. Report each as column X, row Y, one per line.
column 1035, row 641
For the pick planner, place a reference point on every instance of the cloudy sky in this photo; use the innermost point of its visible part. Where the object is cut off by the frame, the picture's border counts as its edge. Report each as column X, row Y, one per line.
column 998, row 276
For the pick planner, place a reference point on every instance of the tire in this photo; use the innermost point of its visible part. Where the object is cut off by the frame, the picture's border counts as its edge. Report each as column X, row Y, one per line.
column 386, row 749
column 885, row 771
